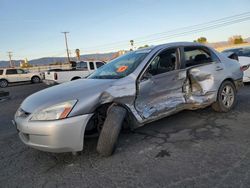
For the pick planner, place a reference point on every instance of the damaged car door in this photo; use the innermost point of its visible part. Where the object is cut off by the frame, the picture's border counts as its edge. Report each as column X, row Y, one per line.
column 205, row 73
column 160, row 86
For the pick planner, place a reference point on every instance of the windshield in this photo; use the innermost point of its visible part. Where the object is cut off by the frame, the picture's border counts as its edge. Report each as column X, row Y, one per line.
column 121, row 66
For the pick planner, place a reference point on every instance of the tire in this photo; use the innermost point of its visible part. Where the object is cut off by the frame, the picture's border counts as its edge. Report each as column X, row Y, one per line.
column 226, row 98
column 112, row 126
column 3, row 83
column 35, row 79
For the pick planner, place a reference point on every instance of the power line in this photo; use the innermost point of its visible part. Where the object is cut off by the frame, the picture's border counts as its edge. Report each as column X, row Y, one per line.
column 215, row 24
column 237, row 17
column 190, row 31
column 229, row 18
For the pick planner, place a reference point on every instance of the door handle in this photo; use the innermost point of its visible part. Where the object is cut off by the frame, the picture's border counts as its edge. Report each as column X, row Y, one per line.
column 219, row 68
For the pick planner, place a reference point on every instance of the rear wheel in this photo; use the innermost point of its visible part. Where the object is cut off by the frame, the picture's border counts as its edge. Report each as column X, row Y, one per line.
column 110, row 130
column 3, row 83
column 226, row 97
column 35, row 79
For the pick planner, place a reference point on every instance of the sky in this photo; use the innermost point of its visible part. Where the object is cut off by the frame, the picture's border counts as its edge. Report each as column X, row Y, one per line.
column 32, row 28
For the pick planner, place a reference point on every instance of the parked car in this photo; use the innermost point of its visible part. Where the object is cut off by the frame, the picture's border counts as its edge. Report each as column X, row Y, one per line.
column 48, row 72
column 137, row 88
column 241, row 51
column 243, row 54
column 83, row 69
column 14, row 75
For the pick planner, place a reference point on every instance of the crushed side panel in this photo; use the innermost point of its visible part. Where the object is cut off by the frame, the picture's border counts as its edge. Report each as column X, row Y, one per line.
column 202, row 86
column 161, row 95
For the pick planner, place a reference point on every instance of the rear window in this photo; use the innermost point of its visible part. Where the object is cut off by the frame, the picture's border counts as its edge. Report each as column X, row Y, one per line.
column 11, row 71
column 20, row 71
column 1, row 72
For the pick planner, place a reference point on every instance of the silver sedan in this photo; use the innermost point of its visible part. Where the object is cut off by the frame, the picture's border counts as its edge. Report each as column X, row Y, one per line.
column 137, row 88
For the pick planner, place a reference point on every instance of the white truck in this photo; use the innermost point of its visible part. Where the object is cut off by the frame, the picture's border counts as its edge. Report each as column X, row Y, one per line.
column 14, row 75
column 83, row 69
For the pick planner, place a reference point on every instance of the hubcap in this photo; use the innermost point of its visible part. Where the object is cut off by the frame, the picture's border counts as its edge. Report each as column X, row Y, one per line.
column 35, row 79
column 227, row 96
column 3, row 83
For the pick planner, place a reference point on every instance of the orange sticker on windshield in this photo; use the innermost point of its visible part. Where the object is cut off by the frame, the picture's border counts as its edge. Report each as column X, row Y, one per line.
column 122, row 68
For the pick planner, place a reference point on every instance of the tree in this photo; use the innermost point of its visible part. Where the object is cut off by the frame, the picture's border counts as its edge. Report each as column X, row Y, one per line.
column 25, row 64
column 202, row 40
column 236, row 39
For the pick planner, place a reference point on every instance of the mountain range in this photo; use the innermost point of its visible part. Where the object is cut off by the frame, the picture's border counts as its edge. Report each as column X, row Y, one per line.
column 51, row 60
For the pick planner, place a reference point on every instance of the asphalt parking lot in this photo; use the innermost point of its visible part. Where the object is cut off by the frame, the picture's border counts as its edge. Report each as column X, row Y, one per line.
column 190, row 149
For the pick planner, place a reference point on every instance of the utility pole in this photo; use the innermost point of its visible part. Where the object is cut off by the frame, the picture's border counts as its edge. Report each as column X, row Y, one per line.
column 10, row 55
column 66, row 43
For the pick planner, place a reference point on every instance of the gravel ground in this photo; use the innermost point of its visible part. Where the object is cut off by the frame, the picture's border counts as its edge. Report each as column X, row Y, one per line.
column 190, row 149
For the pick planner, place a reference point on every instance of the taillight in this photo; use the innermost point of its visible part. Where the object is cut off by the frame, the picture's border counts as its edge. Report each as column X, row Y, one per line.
column 55, row 76
column 244, row 67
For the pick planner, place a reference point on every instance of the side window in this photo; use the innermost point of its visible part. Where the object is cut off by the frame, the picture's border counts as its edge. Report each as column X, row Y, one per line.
column 99, row 64
column 20, row 71
column 82, row 65
column 164, row 62
column 1, row 72
column 196, row 56
column 11, row 71
column 91, row 65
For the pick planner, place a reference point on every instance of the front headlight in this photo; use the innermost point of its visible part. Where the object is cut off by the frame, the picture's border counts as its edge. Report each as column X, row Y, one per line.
column 58, row 111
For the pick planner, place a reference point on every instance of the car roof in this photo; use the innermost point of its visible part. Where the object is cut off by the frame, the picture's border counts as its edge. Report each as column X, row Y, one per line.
column 173, row 44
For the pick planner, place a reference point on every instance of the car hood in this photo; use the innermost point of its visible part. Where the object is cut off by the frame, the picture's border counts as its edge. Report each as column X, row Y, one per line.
column 81, row 90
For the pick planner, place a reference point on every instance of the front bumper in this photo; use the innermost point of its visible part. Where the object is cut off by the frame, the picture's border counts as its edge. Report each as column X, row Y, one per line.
column 66, row 135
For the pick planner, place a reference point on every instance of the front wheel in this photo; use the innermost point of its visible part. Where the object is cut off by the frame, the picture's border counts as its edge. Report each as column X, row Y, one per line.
column 3, row 83
column 110, row 130
column 226, row 97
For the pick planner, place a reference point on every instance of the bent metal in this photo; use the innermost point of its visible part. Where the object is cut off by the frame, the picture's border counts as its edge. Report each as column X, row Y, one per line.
column 139, row 87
